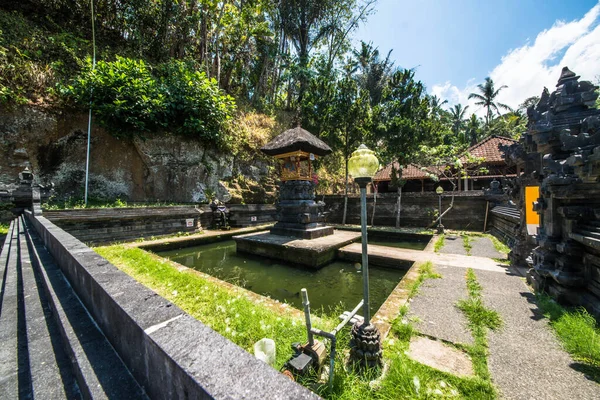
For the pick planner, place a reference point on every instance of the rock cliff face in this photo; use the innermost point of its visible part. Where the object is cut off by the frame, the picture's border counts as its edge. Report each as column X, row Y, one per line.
column 161, row 168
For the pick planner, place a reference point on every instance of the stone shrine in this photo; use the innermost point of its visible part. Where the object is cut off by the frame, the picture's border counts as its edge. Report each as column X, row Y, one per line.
column 300, row 236
column 560, row 152
column 298, row 214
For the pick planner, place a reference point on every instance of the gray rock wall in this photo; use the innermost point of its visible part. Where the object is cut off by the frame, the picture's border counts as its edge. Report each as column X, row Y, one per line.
column 161, row 168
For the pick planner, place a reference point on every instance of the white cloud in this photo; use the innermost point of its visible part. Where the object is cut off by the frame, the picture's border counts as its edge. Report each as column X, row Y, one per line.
column 527, row 69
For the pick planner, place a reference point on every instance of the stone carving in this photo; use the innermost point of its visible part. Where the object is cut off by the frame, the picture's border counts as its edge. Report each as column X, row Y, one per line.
column 298, row 214
column 560, row 152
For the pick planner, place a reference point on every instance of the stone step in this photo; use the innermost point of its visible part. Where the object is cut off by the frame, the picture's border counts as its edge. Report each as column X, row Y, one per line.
column 44, row 368
column 9, row 385
column 99, row 371
column 589, row 233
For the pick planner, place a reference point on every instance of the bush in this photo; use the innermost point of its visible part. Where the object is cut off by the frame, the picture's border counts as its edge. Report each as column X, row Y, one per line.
column 123, row 94
column 130, row 100
column 195, row 106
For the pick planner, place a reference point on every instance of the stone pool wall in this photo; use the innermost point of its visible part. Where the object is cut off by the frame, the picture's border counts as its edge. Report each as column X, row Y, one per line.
column 417, row 210
column 106, row 225
column 169, row 353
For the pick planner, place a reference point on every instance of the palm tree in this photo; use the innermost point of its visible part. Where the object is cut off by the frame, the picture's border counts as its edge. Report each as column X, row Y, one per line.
column 457, row 117
column 473, row 129
column 374, row 71
column 486, row 98
column 436, row 105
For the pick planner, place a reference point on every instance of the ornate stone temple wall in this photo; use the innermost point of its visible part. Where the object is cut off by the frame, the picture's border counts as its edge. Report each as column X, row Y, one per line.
column 560, row 152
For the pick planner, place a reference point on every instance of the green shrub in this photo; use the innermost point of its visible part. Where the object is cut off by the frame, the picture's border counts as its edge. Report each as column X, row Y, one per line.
column 130, row 98
column 123, row 93
column 194, row 104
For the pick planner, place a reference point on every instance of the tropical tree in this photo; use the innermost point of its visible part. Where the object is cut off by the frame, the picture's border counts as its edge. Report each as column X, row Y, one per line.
column 473, row 130
column 402, row 122
column 487, row 98
column 372, row 72
column 436, row 104
column 528, row 102
column 457, row 120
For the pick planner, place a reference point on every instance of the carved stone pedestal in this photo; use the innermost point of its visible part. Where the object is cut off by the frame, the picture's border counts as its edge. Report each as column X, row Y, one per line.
column 365, row 345
column 298, row 215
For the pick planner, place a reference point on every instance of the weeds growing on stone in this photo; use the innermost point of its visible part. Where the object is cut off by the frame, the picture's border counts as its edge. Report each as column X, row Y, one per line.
column 72, row 203
column 578, row 332
column 3, row 229
column 467, row 244
column 425, row 272
column 498, row 245
column 439, row 244
column 480, row 320
column 405, row 378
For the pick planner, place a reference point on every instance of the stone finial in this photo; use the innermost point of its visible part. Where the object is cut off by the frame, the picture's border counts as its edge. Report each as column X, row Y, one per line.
column 566, row 75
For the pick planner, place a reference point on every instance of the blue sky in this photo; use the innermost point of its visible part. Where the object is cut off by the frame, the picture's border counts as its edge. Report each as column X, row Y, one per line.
column 454, row 45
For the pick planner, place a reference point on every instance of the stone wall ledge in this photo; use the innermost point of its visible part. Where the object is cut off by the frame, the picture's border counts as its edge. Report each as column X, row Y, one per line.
column 170, row 354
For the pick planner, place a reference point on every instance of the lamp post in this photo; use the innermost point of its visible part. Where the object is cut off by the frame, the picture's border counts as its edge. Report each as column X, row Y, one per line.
column 365, row 345
column 440, row 191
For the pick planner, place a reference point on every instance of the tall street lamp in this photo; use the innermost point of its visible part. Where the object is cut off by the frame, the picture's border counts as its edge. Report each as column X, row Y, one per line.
column 365, row 345
column 440, row 191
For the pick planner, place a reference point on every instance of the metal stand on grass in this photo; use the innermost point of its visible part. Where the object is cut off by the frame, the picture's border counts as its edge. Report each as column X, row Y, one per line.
column 307, row 354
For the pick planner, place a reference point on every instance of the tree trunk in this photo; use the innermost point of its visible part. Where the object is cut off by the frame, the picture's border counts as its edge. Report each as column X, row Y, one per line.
column 374, row 205
column 345, row 195
column 399, row 206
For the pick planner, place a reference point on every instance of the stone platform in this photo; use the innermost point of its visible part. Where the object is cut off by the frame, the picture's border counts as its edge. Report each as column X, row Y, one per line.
column 313, row 253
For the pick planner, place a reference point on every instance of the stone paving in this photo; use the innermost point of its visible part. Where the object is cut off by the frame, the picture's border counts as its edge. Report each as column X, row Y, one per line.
column 453, row 244
column 484, row 247
column 525, row 358
column 447, row 322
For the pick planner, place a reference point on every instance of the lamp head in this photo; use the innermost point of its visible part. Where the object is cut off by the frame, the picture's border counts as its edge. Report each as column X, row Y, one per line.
column 439, row 190
column 363, row 164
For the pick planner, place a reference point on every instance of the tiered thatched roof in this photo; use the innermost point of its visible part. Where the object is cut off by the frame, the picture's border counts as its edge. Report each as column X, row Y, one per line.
column 296, row 139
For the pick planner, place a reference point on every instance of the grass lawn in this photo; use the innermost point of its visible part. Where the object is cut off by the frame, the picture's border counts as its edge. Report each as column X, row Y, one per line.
column 578, row 332
column 244, row 320
column 3, row 229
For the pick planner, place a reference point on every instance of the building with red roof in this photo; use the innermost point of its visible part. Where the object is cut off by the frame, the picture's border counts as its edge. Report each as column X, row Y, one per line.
column 422, row 179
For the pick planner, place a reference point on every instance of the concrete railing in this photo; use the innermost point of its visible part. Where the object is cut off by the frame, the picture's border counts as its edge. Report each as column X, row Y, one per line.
column 169, row 353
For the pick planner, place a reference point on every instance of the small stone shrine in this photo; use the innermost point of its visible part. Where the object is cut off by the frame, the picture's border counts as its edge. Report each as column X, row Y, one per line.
column 300, row 236
column 560, row 152
column 298, row 214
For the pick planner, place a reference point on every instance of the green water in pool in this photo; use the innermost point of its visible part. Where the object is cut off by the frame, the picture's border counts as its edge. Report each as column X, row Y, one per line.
column 336, row 284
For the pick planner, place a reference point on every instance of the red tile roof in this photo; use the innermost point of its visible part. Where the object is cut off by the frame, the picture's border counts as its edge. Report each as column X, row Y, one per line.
column 489, row 148
column 409, row 172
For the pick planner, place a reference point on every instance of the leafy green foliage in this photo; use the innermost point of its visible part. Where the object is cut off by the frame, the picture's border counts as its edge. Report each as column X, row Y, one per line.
column 123, row 94
column 194, row 105
column 401, row 118
column 129, row 99
column 33, row 59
